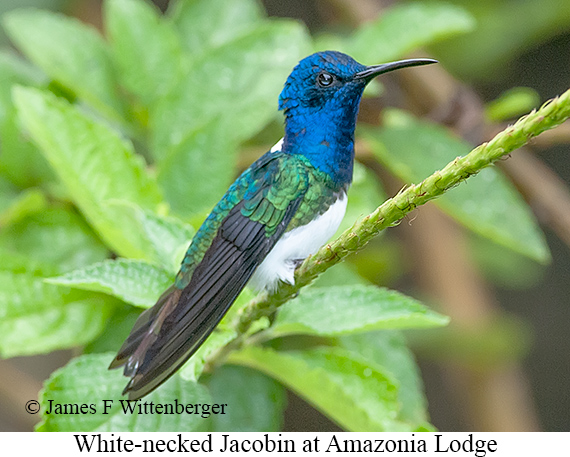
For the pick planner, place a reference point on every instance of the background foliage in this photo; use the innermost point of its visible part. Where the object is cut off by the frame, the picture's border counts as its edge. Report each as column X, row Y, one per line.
column 115, row 145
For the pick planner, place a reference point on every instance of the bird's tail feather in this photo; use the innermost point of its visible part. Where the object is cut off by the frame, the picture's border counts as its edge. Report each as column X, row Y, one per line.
column 142, row 335
column 167, row 335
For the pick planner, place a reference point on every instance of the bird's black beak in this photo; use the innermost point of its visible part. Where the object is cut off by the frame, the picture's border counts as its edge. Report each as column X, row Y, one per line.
column 375, row 70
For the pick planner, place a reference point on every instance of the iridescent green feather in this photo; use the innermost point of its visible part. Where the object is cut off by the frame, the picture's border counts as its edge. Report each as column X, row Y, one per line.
column 266, row 190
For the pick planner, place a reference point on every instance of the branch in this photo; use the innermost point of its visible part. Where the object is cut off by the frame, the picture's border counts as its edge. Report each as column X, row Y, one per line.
column 550, row 115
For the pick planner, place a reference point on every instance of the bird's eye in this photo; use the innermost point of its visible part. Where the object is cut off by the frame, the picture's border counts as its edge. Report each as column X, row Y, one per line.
column 325, row 79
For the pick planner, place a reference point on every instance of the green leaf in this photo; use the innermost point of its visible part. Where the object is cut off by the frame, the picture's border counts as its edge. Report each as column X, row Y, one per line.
column 93, row 163
column 146, row 48
column 8, row 193
column 356, row 396
column 405, row 28
column 70, row 52
column 38, row 318
column 55, row 237
column 503, row 340
column 8, row 5
column 388, row 351
column 207, row 24
column 512, row 103
column 196, row 174
column 502, row 34
column 381, row 263
column 133, row 281
column 255, row 402
column 21, row 161
column 18, row 263
column 349, row 309
column 121, row 322
column 239, row 84
column 196, row 134
column 487, row 203
column 169, row 236
column 504, row 267
column 86, row 379
column 27, row 202
column 14, row 70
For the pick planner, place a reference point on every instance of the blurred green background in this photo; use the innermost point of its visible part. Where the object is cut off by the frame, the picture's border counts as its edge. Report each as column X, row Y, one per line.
column 516, row 367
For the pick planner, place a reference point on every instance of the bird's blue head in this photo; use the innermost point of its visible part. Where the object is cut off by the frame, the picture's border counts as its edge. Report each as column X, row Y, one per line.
column 324, row 80
column 320, row 101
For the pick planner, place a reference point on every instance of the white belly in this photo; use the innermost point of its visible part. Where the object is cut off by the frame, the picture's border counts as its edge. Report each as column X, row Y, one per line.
column 298, row 244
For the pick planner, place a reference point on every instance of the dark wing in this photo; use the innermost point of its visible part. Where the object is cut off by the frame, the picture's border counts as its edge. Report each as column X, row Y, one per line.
column 165, row 336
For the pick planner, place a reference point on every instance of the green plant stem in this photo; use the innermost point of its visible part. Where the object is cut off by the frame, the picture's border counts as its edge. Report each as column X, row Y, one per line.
column 388, row 214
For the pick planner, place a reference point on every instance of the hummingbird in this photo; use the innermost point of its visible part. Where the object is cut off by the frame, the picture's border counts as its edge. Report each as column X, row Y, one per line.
column 280, row 210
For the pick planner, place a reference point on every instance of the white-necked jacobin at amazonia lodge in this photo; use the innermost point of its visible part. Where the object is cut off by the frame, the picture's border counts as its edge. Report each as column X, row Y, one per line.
column 282, row 209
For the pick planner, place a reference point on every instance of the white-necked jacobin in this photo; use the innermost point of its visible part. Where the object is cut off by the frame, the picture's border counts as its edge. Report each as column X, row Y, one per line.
column 279, row 211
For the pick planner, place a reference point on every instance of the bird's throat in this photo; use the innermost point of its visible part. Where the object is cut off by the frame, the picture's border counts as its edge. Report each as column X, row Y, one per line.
column 328, row 145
